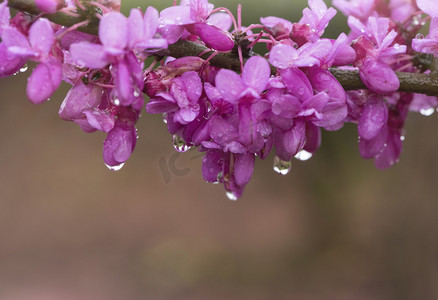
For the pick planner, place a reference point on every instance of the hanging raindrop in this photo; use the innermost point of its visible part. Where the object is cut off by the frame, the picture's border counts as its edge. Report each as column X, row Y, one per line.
column 231, row 195
column 179, row 144
column 427, row 111
column 115, row 168
column 24, row 68
column 303, row 155
column 281, row 166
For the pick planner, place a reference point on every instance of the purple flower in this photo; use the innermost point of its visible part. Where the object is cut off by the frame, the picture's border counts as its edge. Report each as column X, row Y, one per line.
column 193, row 16
column 82, row 106
column 119, row 144
column 182, row 98
column 374, row 53
column 119, row 37
column 285, row 56
column 46, row 77
column 233, row 170
column 316, row 18
column 430, row 43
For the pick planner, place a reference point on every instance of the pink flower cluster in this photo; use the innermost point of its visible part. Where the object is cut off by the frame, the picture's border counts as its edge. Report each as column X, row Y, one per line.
column 278, row 102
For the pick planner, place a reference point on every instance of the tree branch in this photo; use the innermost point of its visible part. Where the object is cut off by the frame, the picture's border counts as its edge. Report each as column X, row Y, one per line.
column 350, row 80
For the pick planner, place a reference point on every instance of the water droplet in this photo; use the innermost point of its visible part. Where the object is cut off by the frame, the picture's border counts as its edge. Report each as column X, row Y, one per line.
column 416, row 20
column 179, row 144
column 362, row 30
column 136, row 93
column 301, row 91
column 231, row 195
column 116, row 102
column 419, row 36
column 402, row 138
column 165, row 118
column 219, row 178
column 396, row 46
column 303, row 155
column 281, row 166
column 24, row 68
column 427, row 111
column 115, row 168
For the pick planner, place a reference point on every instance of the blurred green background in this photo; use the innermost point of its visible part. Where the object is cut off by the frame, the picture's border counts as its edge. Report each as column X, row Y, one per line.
column 335, row 228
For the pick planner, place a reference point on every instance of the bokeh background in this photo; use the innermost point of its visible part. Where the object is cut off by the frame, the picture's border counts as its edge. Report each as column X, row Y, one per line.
column 334, row 228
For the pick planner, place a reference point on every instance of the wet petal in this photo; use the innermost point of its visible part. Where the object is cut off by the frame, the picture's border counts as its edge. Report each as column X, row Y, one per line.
column 256, row 73
column 176, row 15
column 220, row 20
column 229, row 84
column 297, row 83
column 370, row 148
column 374, row 116
column 88, row 55
column 151, row 22
column 100, row 120
column 9, row 65
column 212, row 165
column 113, row 30
column 41, row 36
column 119, row 144
column 281, row 56
column 295, row 138
column 193, row 86
column 136, row 30
column 43, row 81
column 243, row 168
column 212, row 36
column 379, row 77
column 79, row 98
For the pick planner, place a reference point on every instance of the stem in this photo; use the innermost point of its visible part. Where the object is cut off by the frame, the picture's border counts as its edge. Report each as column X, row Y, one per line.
column 350, row 80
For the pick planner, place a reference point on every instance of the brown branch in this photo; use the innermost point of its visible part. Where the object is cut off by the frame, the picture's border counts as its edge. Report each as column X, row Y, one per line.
column 350, row 80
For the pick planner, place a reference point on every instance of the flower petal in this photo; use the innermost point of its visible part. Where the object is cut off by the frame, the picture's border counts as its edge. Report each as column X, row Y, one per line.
column 113, row 30
column 379, row 77
column 243, row 168
column 229, row 84
column 41, row 36
column 88, row 55
column 212, row 36
column 374, row 116
column 256, row 73
column 43, row 81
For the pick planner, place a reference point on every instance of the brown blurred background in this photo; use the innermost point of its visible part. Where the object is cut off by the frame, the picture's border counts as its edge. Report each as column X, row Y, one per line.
column 335, row 228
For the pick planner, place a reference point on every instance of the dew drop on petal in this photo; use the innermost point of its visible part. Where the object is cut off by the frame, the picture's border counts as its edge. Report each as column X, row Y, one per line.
column 179, row 144
column 281, row 166
column 419, row 36
column 402, row 138
column 136, row 93
column 303, row 155
column 24, row 68
column 396, row 46
column 427, row 111
column 115, row 168
column 116, row 102
column 232, row 196
column 165, row 118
